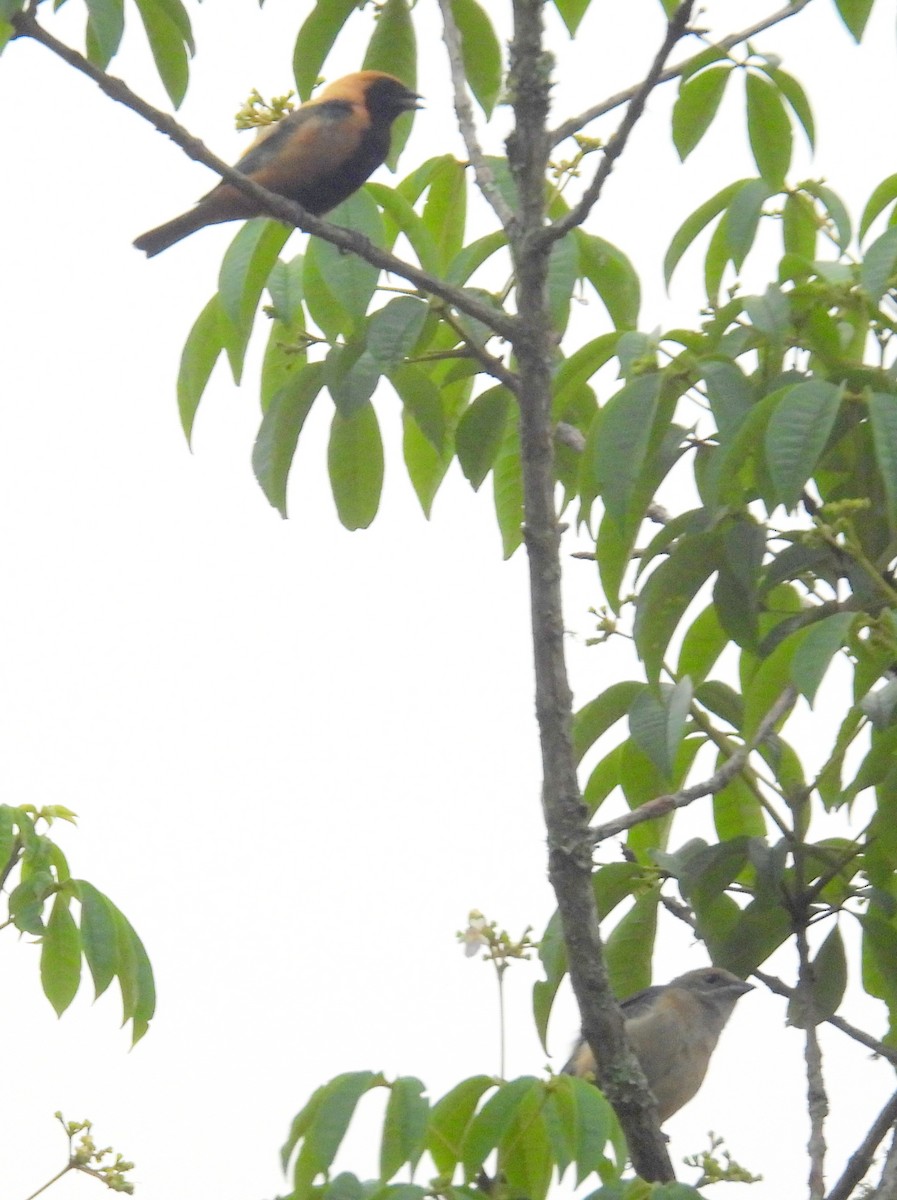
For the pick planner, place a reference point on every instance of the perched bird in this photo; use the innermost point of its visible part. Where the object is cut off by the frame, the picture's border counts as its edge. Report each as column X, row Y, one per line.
column 673, row 1030
column 318, row 155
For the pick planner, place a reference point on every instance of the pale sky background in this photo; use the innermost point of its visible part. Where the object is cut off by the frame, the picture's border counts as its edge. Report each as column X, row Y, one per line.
column 300, row 756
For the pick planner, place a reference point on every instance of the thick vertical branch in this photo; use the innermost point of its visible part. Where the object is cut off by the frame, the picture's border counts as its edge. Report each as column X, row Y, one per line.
column 569, row 840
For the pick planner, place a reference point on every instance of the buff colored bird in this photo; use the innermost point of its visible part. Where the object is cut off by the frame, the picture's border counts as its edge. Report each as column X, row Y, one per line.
column 317, row 156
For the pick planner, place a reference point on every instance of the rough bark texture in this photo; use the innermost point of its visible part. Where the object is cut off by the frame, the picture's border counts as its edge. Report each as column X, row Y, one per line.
column 569, row 840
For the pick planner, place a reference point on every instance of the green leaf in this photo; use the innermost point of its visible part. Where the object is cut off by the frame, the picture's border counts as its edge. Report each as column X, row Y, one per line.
column 620, row 454
column 422, row 400
column 595, row 1124
column 445, row 212
column 328, row 1125
column 524, row 1153
column 854, row 14
column 563, row 271
column 480, row 51
column 878, row 265
column 596, row 717
column 629, row 947
column 99, row 936
column 816, row 651
column 797, row 434
column 400, row 217
column 741, row 221
column 736, row 810
column 493, row 1120
column 881, row 197
column 481, row 433
column 105, row 26
column 702, row 645
column 507, row 481
column 471, row 257
column 883, row 419
column 204, row 343
column 729, row 392
column 284, row 284
column 394, row 329
column 168, row 44
column 350, row 280
column 355, row 463
column 404, row 1127
column 612, row 276
column 393, row 49
column 800, row 227
column 278, row 435
column 797, row 99
column 247, row 263
column 657, row 724
column 668, row 593
column 571, row 13
column 425, row 465
column 60, row 959
column 697, row 104
column 828, row 982
column 694, row 224
column 351, row 374
column 450, row 1119
column 835, row 209
column 319, row 31
column 769, row 130
column 135, row 976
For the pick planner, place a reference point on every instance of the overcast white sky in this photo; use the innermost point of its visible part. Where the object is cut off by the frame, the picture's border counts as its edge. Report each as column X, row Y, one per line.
column 298, row 755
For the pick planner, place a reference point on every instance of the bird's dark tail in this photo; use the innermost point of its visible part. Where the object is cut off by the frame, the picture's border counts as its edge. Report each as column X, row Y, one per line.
column 154, row 241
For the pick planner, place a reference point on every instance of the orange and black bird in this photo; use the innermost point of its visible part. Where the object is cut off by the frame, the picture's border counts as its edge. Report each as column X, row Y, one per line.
column 673, row 1030
column 317, row 156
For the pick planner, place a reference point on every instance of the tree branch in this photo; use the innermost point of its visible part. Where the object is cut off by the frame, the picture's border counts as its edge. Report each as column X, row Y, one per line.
column 676, row 30
column 817, row 1100
column 569, row 849
column 661, row 805
column 574, row 124
column 887, row 1185
column 464, row 112
column 861, row 1159
column 503, row 323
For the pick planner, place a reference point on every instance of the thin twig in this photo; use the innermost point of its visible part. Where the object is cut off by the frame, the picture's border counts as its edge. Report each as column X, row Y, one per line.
column 277, row 206
column 574, row 124
column 661, row 805
column 676, row 30
column 861, row 1159
column 887, row 1186
column 466, row 123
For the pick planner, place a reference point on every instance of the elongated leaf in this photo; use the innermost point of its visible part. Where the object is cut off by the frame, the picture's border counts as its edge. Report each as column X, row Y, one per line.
column 797, row 99
column 883, row 418
column 630, row 946
column 481, row 433
column 99, row 936
column 201, row 350
column 393, row 49
column 450, row 1119
column 797, row 433
column 626, row 426
column 135, row 976
column 596, row 717
column 694, row 224
column 248, row 262
column 404, row 1127
column 769, row 130
column 60, row 959
column 821, row 643
column 612, row 276
column 319, row 31
column 854, row 14
column 571, row 12
column 827, row 984
column 879, row 264
column 493, row 1120
column 165, row 34
column 278, row 435
column 743, row 218
column 105, row 26
column 668, row 593
column 350, row 280
column 327, row 1127
column 697, row 104
column 881, row 197
column 507, row 479
column 481, row 52
column 355, row 463
column 563, row 271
